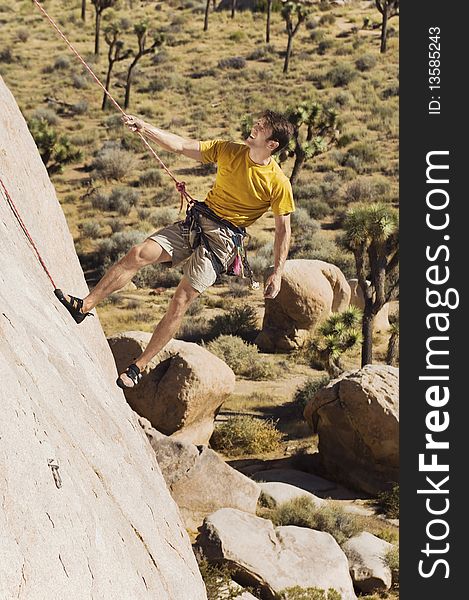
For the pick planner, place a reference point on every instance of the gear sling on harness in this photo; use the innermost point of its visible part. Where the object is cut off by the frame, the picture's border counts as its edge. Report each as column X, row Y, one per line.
column 194, row 230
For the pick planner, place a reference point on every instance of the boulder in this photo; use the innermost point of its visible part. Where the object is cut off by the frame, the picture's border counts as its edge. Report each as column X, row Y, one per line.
column 276, row 493
column 182, row 388
column 85, row 511
column 366, row 556
column 381, row 320
column 274, row 558
column 199, row 480
column 311, row 290
column 357, row 419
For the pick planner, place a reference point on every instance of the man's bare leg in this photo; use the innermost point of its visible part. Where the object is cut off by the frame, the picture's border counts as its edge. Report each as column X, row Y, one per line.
column 119, row 275
column 166, row 329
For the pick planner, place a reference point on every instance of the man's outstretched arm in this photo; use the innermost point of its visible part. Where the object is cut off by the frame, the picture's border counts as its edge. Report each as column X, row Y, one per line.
column 281, row 247
column 165, row 139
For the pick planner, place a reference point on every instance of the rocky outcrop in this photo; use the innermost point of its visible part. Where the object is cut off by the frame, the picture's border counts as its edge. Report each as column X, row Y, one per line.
column 199, row 480
column 85, row 512
column 182, row 388
column 366, row 554
column 381, row 320
column 357, row 419
column 310, row 291
column 275, row 557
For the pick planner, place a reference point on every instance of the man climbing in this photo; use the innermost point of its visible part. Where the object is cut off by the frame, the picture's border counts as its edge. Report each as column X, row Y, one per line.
column 209, row 241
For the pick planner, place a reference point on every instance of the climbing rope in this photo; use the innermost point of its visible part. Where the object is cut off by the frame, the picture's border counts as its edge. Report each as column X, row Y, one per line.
column 25, row 230
column 180, row 185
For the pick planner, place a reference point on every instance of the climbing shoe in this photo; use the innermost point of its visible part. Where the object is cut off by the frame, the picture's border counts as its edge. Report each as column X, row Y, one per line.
column 130, row 378
column 73, row 305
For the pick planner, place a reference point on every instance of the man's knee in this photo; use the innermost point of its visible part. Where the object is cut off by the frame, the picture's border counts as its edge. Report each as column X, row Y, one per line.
column 146, row 253
column 182, row 299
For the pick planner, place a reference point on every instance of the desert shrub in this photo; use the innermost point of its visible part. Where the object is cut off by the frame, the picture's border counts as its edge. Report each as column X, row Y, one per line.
column 366, row 62
column 317, row 35
column 241, row 321
column 150, row 178
column 389, row 502
column 237, row 289
column 341, row 75
column 367, row 189
column 242, row 357
column 302, row 223
column 56, row 149
column 79, row 82
column 324, row 46
column 330, row 518
column 116, row 224
column 311, row 593
column 193, row 329
column 235, row 62
column 263, row 53
column 302, row 191
column 46, row 114
column 159, row 275
column 305, row 392
column 390, row 92
column 246, row 435
column 115, row 247
column 217, row 579
column 327, row 20
column 237, row 36
column 122, row 199
column 391, row 559
column 144, row 213
column 7, row 56
column 163, row 216
column 90, row 229
column 22, row 34
column 318, row 209
column 80, row 108
column 113, row 163
column 360, row 155
column 262, row 259
column 61, row 63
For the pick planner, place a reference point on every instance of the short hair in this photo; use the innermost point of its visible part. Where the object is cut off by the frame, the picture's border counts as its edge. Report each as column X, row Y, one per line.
column 282, row 129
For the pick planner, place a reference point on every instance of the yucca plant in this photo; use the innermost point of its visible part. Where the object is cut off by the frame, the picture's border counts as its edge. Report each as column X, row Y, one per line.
column 371, row 233
column 337, row 335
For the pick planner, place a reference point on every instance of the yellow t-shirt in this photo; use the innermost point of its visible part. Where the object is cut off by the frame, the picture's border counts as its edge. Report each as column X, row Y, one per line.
column 245, row 190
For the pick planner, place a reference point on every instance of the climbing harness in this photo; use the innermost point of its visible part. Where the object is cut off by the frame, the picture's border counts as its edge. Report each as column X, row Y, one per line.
column 193, row 229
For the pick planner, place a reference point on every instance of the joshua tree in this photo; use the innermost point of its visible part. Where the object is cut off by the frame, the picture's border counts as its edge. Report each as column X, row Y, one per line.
column 392, row 354
column 371, row 234
column 315, row 133
column 267, row 29
column 141, row 31
column 290, row 11
column 115, row 54
column 388, row 9
column 83, row 10
column 99, row 7
column 341, row 332
column 56, row 150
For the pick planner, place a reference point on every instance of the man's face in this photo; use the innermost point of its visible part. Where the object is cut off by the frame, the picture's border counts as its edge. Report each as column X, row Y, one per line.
column 259, row 137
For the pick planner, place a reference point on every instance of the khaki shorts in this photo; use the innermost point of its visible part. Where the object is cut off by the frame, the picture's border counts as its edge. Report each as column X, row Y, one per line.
column 199, row 267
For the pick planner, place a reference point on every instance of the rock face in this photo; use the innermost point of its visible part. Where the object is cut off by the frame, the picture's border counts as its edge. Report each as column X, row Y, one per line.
column 275, row 558
column 182, row 389
column 199, row 480
column 381, row 320
column 311, row 290
column 85, row 509
column 366, row 555
column 357, row 419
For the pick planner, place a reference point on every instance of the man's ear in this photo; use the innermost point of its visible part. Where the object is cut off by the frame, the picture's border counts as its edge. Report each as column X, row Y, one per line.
column 273, row 145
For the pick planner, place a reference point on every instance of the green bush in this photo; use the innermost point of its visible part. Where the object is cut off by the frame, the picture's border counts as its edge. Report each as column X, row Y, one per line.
column 391, row 559
column 306, row 392
column 56, row 149
column 246, row 435
column 364, row 189
column 366, row 62
column 90, row 229
column 330, row 518
column 389, row 502
column 341, row 75
column 150, row 178
column 46, row 114
column 242, row 357
column 217, row 581
column 241, row 321
column 113, row 163
column 299, row 593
